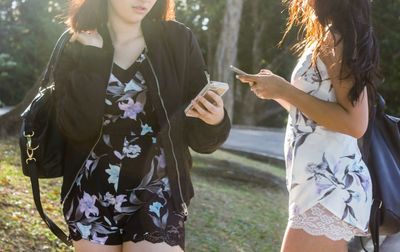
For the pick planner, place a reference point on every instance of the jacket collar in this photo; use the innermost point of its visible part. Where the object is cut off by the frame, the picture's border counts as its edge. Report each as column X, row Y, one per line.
column 105, row 34
column 153, row 34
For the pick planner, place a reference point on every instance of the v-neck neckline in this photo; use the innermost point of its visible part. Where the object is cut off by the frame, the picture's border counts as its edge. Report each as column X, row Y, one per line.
column 141, row 55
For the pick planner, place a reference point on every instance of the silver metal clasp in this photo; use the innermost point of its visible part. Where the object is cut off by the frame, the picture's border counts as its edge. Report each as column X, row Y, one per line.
column 185, row 209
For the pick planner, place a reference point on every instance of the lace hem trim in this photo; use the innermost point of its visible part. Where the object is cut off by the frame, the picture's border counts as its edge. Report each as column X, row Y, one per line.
column 318, row 221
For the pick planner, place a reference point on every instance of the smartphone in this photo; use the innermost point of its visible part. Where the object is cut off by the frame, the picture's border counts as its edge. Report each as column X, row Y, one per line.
column 237, row 70
column 218, row 87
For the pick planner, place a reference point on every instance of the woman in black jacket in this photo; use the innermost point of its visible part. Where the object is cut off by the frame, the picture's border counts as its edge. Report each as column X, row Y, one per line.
column 122, row 85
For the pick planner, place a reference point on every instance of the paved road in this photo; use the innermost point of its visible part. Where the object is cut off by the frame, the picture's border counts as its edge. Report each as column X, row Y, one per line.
column 263, row 143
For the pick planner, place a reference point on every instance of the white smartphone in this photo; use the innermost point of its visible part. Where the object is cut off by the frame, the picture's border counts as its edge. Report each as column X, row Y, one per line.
column 237, row 70
column 218, row 87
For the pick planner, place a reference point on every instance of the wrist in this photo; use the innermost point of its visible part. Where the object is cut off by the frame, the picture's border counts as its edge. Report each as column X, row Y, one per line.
column 285, row 89
column 218, row 122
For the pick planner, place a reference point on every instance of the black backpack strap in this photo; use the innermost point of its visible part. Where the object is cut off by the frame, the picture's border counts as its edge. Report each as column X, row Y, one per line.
column 375, row 218
column 36, row 197
column 375, row 223
column 362, row 244
column 376, row 208
column 32, row 165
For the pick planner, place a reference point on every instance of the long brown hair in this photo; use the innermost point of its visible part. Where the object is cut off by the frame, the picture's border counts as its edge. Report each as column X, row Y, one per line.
column 84, row 15
column 351, row 19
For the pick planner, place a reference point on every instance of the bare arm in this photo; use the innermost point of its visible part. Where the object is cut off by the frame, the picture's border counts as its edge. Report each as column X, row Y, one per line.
column 284, row 104
column 340, row 116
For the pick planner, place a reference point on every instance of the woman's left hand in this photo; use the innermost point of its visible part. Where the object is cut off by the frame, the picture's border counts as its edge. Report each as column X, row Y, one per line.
column 210, row 110
column 266, row 85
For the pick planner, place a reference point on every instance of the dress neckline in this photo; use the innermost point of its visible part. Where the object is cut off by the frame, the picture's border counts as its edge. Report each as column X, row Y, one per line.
column 139, row 59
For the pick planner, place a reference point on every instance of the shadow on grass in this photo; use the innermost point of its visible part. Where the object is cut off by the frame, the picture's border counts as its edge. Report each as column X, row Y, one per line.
column 212, row 167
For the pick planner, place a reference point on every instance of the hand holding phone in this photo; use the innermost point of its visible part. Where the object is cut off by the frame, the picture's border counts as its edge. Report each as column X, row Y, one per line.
column 241, row 72
column 219, row 88
column 237, row 70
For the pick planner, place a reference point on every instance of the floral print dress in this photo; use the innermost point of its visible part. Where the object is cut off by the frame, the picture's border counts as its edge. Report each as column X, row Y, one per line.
column 330, row 189
column 122, row 192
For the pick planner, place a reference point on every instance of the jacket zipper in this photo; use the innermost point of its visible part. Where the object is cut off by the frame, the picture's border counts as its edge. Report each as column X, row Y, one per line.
column 91, row 150
column 83, row 164
column 183, row 205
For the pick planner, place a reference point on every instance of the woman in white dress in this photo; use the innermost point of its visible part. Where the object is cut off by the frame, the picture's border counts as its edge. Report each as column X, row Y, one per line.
column 328, row 98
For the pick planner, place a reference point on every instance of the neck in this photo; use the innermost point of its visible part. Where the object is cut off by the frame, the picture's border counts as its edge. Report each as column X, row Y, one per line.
column 121, row 31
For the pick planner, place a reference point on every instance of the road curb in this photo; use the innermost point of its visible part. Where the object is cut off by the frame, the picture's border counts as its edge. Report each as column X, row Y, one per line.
column 270, row 159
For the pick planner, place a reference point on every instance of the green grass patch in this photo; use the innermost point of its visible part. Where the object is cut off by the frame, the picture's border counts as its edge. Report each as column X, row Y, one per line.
column 225, row 215
column 235, row 216
column 257, row 165
column 21, row 228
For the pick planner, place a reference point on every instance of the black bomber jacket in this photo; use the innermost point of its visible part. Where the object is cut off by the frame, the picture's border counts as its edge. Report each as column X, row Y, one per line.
column 175, row 76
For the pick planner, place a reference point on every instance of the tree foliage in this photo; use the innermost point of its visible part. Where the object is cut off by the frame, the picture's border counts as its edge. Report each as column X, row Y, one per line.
column 386, row 14
column 29, row 29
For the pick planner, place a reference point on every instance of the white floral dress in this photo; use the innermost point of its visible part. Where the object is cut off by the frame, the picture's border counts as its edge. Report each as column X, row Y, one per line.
column 122, row 193
column 330, row 189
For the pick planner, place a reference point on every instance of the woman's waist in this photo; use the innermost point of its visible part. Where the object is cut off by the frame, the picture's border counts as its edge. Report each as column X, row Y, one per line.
column 318, row 130
column 131, row 128
column 321, row 140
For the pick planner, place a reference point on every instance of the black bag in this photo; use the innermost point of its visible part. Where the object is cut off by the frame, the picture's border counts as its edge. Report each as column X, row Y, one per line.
column 381, row 153
column 40, row 141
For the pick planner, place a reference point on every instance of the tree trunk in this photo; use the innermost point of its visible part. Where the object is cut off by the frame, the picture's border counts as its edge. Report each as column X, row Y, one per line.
column 249, row 110
column 227, row 48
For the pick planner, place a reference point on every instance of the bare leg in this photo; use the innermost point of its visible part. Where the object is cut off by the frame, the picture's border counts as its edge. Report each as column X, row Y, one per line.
column 297, row 240
column 145, row 246
column 87, row 246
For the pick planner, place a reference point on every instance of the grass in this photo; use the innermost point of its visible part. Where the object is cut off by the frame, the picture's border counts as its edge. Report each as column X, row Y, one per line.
column 254, row 164
column 225, row 215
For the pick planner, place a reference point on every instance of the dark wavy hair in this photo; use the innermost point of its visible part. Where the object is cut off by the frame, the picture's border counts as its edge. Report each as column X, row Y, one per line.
column 351, row 19
column 84, row 15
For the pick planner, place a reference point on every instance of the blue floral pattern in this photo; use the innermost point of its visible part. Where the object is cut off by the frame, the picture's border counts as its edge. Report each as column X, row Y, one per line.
column 124, row 178
column 324, row 167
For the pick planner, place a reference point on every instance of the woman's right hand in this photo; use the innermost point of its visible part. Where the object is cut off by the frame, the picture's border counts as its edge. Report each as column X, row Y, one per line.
column 266, row 85
column 89, row 38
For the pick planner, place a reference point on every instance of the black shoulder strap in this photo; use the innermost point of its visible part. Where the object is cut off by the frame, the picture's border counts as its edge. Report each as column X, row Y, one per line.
column 36, row 198
column 32, row 164
column 376, row 208
column 54, row 58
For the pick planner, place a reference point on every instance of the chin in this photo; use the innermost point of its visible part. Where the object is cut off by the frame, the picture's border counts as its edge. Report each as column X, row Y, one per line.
column 134, row 20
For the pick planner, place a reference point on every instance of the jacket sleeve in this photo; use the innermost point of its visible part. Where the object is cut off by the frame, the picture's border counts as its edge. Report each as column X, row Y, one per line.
column 202, row 137
column 79, row 78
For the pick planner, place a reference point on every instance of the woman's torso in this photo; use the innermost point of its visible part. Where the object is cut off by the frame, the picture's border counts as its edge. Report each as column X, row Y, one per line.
column 323, row 166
